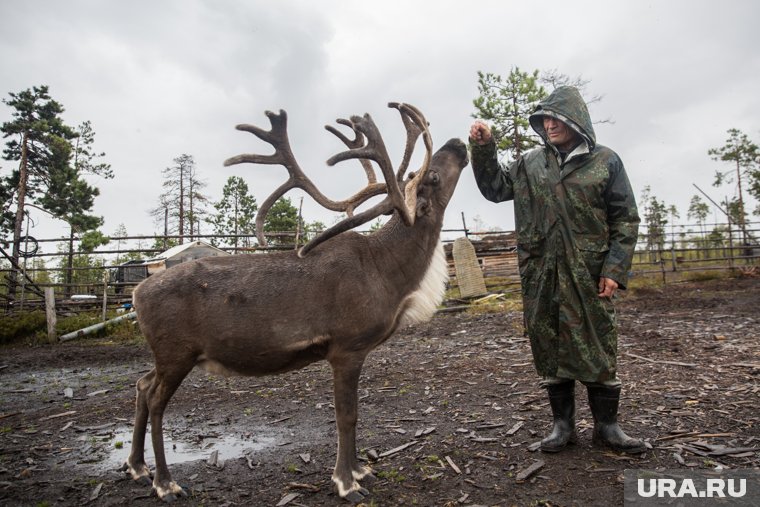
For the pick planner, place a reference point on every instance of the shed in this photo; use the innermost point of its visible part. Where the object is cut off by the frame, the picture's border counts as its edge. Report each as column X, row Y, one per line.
column 129, row 274
column 182, row 253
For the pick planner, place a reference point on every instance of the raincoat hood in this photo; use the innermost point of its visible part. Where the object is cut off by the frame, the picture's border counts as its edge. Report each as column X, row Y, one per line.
column 566, row 104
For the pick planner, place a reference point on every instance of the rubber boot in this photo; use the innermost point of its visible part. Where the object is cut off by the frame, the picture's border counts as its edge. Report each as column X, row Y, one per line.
column 562, row 402
column 604, row 402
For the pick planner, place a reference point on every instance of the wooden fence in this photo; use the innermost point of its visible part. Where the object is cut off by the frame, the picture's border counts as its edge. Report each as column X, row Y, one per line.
column 87, row 281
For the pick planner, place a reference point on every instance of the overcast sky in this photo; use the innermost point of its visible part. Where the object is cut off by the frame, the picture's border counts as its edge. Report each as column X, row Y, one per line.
column 161, row 78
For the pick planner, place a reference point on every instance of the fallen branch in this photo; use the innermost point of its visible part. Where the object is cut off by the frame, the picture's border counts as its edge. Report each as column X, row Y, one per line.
column 675, row 363
column 396, row 449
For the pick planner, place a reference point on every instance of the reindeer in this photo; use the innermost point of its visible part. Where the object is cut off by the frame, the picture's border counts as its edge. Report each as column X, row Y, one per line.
column 266, row 314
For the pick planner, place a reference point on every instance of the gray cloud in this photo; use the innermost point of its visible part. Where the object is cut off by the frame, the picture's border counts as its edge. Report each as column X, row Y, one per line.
column 158, row 79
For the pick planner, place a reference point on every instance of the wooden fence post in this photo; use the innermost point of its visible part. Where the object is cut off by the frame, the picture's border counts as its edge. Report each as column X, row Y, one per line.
column 50, row 312
column 105, row 293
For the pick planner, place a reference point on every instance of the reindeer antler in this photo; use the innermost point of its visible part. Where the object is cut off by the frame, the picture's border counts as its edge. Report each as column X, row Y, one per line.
column 366, row 146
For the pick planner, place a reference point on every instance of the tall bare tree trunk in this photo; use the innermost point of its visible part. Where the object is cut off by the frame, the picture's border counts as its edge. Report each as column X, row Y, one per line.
column 68, row 290
column 745, row 239
column 19, row 222
column 181, row 203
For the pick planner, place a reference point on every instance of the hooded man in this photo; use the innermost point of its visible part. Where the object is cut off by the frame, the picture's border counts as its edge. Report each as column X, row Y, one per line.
column 577, row 224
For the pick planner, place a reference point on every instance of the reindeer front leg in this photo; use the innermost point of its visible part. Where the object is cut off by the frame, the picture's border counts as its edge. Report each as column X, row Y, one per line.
column 348, row 471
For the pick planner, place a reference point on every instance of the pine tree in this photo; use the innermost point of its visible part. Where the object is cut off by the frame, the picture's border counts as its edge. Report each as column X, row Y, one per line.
column 745, row 155
column 235, row 213
column 52, row 158
column 698, row 210
column 656, row 219
column 282, row 217
column 506, row 105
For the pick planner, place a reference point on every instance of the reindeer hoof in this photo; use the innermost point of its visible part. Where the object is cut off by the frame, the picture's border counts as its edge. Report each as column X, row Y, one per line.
column 140, row 474
column 171, row 492
column 369, row 478
column 356, row 496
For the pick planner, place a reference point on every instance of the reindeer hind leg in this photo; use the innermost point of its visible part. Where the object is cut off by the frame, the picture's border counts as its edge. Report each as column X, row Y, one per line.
column 162, row 389
column 135, row 464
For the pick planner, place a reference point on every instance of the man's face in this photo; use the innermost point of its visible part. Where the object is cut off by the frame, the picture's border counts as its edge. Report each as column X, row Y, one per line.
column 559, row 134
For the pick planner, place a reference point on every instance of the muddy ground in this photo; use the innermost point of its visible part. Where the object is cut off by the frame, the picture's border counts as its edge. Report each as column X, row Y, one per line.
column 458, row 393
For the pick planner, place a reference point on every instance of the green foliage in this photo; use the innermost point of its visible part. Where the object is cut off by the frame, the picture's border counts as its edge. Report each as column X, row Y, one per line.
column 312, row 229
column 72, row 323
column 282, row 217
column 22, row 325
column 698, row 210
column 392, row 475
column 740, row 151
column 92, row 240
column 86, row 161
column 506, row 104
column 655, row 215
column 161, row 244
column 52, row 158
column 717, row 237
column 377, row 225
column 235, row 213
column 744, row 155
column 77, row 276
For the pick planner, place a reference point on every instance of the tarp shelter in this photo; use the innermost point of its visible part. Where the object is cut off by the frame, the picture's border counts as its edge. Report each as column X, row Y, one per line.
column 182, row 253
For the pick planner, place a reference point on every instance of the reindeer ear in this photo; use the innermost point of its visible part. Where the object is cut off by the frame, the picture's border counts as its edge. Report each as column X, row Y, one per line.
column 423, row 206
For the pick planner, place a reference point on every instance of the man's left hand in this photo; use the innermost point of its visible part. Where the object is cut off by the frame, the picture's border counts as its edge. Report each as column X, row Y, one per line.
column 607, row 287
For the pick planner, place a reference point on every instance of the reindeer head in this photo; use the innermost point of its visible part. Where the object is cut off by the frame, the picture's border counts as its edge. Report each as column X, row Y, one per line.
column 440, row 180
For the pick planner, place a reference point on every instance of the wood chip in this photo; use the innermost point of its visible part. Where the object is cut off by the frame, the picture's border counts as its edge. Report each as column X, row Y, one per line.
column 490, row 426
column 453, row 465
column 95, row 393
column 483, row 440
column 306, row 457
column 396, row 450
column 56, row 416
column 514, row 428
column 96, row 492
column 525, row 474
column 287, row 499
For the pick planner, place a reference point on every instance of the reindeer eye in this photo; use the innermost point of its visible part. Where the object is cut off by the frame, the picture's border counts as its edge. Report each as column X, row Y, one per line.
column 434, row 178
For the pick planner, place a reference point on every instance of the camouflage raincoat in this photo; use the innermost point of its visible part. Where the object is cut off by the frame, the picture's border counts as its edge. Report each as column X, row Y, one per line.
column 576, row 220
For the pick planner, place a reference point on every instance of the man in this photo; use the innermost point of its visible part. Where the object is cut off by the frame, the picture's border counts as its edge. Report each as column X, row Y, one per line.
column 577, row 223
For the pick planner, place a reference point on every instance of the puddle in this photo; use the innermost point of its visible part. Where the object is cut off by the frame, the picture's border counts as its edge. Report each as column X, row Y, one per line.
column 179, row 451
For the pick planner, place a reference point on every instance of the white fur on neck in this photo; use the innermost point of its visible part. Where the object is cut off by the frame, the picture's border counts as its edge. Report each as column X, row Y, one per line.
column 421, row 304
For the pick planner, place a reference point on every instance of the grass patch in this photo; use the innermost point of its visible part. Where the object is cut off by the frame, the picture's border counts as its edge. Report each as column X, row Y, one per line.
column 31, row 328
column 22, row 325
